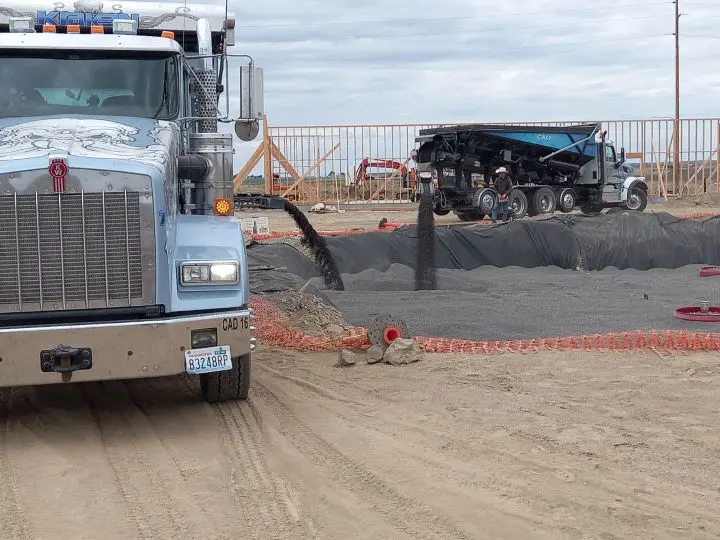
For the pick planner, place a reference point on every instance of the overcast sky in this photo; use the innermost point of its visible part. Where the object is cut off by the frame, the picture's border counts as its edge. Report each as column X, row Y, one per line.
column 388, row 61
column 429, row 61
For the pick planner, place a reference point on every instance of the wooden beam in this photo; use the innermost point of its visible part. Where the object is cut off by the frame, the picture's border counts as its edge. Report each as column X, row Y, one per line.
column 284, row 163
column 311, row 169
column 248, row 167
column 267, row 154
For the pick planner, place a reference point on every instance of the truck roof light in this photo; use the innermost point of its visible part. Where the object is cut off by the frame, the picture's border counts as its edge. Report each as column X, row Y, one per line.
column 73, row 28
column 97, row 29
column 50, row 28
column 21, row 24
column 124, row 26
column 168, row 34
column 222, row 207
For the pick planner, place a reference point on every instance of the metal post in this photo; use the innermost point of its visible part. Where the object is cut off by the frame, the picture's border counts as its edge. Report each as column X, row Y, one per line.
column 676, row 128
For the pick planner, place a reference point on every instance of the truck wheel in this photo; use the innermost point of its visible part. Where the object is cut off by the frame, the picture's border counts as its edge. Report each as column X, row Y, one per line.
column 485, row 200
column 469, row 215
column 637, row 200
column 232, row 384
column 566, row 200
column 518, row 203
column 544, row 200
column 439, row 211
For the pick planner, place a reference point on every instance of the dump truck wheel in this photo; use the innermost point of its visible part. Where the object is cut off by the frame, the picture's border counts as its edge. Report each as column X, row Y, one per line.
column 233, row 384
column 544, row 201
column 637, row 200
column 518, row 203
column 485, row 200
column 566, row 200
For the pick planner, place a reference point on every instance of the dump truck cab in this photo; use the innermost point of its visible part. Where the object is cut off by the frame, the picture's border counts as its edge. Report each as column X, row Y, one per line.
column 121, row 256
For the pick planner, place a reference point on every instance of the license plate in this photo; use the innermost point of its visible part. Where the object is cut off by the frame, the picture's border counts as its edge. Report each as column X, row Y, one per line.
column 208, row 360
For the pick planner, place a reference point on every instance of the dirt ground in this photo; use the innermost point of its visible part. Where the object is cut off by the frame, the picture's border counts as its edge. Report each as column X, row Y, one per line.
column 370, row 219
column 540, row 446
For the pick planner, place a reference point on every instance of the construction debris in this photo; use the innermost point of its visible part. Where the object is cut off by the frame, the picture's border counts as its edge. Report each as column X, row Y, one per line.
column 375, row 354
column 346, row 358
column 402, row 351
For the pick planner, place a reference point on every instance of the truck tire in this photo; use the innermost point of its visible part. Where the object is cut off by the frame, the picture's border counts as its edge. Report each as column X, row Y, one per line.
column 518, row 203
column 484, row 200
column 233, row 384
column 544, row 201
column 469, row 215
column 441, row 211
column 566, row 200
column 637, row 199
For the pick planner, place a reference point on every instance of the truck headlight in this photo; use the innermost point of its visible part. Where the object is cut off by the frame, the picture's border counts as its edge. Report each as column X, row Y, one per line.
column 210, row 273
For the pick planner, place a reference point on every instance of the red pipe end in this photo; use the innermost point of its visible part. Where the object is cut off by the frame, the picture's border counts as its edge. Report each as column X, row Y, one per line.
column 391, row 333
column 707, row 271
column 695, row 314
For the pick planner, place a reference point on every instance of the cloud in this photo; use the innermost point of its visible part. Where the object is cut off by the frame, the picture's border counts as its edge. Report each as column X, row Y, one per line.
column 396, row 61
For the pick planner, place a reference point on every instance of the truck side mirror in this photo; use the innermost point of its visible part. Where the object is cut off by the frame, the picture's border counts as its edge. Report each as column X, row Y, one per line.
column 622, row 158
column 252, row 103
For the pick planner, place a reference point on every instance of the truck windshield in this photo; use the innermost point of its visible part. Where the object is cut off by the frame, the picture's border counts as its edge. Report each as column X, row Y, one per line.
column 114, row 83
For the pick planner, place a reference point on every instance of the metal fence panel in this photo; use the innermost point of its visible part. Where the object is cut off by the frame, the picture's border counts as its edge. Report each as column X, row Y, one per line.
column 649, row 145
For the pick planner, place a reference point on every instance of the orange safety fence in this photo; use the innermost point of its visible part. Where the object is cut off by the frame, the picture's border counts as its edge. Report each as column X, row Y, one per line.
column 391, row 226
column 274, row 328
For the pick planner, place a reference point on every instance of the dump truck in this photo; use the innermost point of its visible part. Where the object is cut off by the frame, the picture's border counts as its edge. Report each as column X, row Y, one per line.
column 120, row 255
column 552, row 169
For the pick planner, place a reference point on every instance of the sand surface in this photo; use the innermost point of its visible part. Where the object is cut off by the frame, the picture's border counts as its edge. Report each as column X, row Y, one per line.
column 539, row 446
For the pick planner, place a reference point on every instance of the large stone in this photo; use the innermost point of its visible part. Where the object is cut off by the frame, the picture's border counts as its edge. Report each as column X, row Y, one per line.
column 374, row 354
column 346, row 359
column 402, row 351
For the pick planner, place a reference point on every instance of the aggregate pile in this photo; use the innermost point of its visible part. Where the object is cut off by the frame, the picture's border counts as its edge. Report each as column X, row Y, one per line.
column 568, row 275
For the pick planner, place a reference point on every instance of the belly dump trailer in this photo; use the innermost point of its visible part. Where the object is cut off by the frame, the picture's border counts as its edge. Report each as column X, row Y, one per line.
column 120, row 256
column 552, row 168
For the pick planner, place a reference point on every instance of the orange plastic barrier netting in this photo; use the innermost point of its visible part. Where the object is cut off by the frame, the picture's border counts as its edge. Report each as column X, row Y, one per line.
column 274, row 328
column 390, row 227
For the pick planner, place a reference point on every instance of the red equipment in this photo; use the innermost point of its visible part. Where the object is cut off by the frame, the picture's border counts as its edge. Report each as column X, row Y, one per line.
column 409, row 177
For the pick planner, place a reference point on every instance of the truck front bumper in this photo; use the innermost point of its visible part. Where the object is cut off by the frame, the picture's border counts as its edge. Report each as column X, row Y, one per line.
column 119, row 350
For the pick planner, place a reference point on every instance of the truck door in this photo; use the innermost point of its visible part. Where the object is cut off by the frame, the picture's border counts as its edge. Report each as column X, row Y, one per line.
column 612, row 175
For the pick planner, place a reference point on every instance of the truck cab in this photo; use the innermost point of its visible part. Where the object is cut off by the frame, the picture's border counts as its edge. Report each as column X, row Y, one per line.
column 121, row 256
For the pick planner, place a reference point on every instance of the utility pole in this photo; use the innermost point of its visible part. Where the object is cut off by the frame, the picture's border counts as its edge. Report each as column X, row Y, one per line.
column 676, row 123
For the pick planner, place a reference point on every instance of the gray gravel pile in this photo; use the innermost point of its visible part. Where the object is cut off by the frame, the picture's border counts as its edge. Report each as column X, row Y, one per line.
column 519, row 303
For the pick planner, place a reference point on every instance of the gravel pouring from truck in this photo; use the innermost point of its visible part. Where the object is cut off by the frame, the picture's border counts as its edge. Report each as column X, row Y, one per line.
column 120, row 256
column 552, row 168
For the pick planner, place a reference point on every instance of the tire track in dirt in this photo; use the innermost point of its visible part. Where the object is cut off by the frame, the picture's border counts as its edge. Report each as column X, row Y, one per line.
column 155, row 499
column 13, row 521
column 268, row 494
column 263, row 497
column 402, row 512
column 563, row 477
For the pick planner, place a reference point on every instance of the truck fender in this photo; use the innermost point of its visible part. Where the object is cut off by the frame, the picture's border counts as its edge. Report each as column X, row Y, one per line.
column 484, row 200
column 632, row 182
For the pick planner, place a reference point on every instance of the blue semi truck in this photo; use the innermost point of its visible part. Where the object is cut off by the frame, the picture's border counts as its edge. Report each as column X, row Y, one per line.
column 552, row 169
column 121, row 257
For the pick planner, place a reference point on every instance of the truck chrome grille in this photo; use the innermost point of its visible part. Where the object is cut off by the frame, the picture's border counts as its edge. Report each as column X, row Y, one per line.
column 70, row 251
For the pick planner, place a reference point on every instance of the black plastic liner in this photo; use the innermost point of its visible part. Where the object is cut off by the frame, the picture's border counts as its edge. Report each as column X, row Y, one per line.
column 639, row 241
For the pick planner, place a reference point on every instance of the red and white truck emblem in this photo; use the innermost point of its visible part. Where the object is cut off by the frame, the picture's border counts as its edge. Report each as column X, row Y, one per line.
column 58, row 170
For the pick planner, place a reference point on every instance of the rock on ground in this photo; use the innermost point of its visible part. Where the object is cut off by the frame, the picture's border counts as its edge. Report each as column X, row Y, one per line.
column 402, row 351
column 346, row 358
column 374, row 354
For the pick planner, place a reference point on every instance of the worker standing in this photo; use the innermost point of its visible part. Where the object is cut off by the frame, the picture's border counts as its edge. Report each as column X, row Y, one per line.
column 503, row 187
